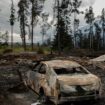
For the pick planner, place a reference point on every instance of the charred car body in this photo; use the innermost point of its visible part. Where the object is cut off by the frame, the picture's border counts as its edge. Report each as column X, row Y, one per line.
column 63, row 80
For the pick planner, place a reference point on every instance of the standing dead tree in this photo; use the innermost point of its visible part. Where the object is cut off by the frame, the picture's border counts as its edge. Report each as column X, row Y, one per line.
column 12, row 21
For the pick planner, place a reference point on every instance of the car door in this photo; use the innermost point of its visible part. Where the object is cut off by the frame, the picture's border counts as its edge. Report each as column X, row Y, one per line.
column 34, row 77
column 38, row 77
column 53, row 82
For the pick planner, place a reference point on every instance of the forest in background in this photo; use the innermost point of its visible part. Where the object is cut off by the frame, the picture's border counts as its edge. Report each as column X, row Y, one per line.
column 67, row 36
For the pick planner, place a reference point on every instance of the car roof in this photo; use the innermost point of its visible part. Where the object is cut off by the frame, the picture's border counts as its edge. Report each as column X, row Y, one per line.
column 61, row 64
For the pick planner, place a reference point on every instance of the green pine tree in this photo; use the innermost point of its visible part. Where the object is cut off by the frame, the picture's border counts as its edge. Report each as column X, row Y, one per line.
column 62, row 40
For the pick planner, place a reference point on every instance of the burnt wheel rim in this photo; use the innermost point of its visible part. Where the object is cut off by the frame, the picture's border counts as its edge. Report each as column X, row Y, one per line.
column 42, row 98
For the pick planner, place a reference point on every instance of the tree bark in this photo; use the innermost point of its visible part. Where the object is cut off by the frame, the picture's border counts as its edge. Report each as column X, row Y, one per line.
column 11, row 36
column 24, row 36
column 59, row 42
column 103, row 35
column 74, row 30
column 32, row 29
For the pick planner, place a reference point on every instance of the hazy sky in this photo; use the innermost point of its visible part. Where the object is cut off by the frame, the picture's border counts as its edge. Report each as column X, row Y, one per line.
column 5, row 12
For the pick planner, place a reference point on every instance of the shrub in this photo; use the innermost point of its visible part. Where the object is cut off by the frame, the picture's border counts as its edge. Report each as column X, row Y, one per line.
column 40, row 50
column 7, row 51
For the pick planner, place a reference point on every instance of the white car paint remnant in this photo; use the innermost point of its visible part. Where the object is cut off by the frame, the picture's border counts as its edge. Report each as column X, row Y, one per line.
column 36, row 103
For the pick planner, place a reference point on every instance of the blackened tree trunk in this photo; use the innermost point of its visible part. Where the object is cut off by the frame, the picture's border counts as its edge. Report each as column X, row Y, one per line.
column 89, row 16
column 22, row 15
column 24, row 34
column 103, row 27
column 12, row 21
column 12, row 36
column 36, row 8
column 32, row 27
column 75, row 9
column 59, row 42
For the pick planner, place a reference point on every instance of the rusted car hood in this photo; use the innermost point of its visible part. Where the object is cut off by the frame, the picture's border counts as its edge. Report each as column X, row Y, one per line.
column 78, row 79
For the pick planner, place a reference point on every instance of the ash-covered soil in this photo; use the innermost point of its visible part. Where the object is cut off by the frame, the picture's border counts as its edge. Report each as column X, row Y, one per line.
column 20, row 95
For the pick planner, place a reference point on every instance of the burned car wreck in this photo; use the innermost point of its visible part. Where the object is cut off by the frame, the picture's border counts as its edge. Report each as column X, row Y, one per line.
column 63, row 80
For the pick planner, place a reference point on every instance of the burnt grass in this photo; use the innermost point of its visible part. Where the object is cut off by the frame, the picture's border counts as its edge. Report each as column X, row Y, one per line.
column 20, row 95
